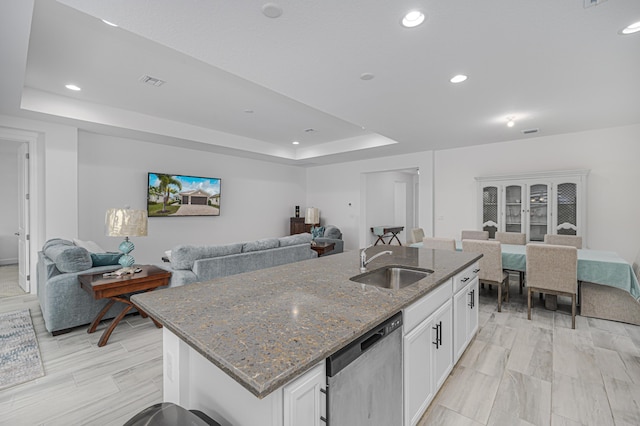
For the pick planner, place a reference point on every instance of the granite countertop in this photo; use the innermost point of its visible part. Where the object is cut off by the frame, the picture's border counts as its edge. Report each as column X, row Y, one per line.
column 267, row 327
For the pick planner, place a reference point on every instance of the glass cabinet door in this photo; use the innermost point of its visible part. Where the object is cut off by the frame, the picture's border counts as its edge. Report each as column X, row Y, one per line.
column 490, row 210
column 566, row 221
column 513, row 208
column 538, row 211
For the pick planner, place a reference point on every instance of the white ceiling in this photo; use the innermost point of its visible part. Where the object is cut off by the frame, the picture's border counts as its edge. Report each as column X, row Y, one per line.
column 553, row 64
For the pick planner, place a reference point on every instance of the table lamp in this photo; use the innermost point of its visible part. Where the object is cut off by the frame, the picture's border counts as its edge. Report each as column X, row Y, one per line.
column 126, row 223
column 312, row 218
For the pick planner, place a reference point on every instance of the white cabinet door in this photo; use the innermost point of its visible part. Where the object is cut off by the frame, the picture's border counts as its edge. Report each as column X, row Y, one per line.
column 465, row 311
column 461, row 301
column 418, row 387
column 304, row 399
column 472, row 319
column 442, row 343
column 491, row 209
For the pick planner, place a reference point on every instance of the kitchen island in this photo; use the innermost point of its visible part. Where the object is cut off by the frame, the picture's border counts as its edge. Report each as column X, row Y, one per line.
column 261, row 330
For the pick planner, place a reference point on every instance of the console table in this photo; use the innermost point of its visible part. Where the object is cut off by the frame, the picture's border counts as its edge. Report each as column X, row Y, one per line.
column 387, row 231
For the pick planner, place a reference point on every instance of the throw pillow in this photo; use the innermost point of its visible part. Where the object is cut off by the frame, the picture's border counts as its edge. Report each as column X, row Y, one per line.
column 56, row 242
column 317, row 232
column 333, row 233
column 69, row 258
column 292, row 240
column 264, row 244
column 105, row 259
column 90, row 246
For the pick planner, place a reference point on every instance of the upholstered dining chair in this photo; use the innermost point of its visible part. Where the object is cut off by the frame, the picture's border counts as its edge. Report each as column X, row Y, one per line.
column 515, row 238
column 552, row 269
column 417, row 234
column 491, row 271
column 439, row 243
column 475, row 235
column 563, row 240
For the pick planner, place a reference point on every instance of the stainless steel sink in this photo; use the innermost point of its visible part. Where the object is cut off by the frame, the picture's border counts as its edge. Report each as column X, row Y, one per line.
column 392, row 277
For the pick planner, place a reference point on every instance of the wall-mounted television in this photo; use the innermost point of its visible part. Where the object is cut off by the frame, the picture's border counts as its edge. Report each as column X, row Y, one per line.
column 182, row 195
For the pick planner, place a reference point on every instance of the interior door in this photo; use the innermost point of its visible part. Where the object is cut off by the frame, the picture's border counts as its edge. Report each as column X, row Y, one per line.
column 23, row 218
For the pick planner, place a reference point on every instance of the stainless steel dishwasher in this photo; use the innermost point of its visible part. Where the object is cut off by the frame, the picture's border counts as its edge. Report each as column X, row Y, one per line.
column 364, row 379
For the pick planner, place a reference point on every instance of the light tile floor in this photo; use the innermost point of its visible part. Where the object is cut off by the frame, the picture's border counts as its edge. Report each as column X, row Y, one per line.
column 515, row 372
column 9, row 281
column 541, row 372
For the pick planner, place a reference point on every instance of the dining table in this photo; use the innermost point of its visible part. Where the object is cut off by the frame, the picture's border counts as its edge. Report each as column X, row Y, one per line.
column 594, row 266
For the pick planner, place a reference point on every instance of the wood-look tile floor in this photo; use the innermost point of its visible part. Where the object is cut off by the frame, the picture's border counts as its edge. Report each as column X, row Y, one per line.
column 515, row 372
column 541, row 372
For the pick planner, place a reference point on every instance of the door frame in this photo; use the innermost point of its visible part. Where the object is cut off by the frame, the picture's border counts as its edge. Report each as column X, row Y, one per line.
column 33, row 224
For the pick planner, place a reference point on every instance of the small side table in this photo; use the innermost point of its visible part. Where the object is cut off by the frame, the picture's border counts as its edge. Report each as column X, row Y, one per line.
column 119, row 289
column 323, row 248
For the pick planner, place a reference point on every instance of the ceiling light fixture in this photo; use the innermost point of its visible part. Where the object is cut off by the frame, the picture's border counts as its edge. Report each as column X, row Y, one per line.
column 111, row 24
column 631, row 29
column 511, row 121
column 271, row 10
column 295, row 143
column 73, row 87
column 458, row 78
column 413, row 19
column 366, row 76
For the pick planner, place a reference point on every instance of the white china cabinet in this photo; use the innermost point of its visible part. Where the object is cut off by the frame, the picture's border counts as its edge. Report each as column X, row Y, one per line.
column 534, row 203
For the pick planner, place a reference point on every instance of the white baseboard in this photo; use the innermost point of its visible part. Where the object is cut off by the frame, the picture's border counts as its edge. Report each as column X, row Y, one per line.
column 4, row 262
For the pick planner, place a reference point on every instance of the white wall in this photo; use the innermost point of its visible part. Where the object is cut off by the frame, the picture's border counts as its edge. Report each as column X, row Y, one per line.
column 257, row 198
column 613, row 201
column 9, row 222
column 336, row 190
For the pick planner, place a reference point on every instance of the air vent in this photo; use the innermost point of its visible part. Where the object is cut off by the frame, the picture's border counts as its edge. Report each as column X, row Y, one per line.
column 589, row 3
column 529, row 131
column 152, row 81
column 310, row 130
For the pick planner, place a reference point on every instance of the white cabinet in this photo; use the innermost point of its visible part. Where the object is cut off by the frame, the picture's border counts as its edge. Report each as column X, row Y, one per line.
column 304, row 399
column 427, row 350
column 535, row 203
column 465, row 312
column 465, row 309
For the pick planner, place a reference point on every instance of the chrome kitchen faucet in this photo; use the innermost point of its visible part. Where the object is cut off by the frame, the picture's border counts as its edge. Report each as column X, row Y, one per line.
column 363, row 258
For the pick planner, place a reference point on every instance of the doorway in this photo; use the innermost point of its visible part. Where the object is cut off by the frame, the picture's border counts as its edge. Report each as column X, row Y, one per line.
column 19, row 230
column 390, row 199
column 14, row 247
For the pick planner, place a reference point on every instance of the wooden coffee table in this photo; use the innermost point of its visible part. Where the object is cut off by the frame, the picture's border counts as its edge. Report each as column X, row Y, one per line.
column 323, row 248
column 119, row 289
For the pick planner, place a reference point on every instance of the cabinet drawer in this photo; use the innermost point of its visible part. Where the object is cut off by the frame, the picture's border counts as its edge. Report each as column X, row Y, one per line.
column 420, row 310
column 465, row 277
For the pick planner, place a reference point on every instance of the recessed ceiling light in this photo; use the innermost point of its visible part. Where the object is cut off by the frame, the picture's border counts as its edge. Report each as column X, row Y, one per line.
column 109, row 23
column 633, row 28
column 511, row 121
column 295, row 143
column 413, row 19
column 271, row 10
column 73, row 87
column 458, row 78
column 366, row 76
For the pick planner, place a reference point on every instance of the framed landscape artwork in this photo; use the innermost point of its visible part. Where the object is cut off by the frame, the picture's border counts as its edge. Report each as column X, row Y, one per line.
column 180, row 195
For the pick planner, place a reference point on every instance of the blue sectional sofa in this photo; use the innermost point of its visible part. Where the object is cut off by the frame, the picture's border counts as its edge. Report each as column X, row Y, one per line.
column 65, row 305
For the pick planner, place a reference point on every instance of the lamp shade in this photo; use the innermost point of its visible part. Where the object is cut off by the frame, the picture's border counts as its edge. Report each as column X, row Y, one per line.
column 126, row 223
column 313, row 216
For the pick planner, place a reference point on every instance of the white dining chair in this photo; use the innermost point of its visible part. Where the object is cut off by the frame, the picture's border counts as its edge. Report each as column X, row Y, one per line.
column 552, row 269
column 474, row 235
column 417, row 234
column 563, row 240
column 491, row 271
column 439, row 243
